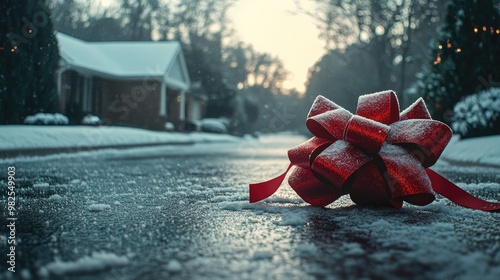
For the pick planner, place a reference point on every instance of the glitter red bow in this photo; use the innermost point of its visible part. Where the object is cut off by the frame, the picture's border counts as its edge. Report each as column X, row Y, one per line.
column 378, row 156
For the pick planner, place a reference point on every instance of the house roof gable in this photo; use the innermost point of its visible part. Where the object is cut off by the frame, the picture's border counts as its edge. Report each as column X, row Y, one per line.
column 134, row 60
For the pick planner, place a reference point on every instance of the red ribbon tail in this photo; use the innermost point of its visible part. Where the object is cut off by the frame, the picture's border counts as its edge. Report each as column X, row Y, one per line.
column 260, row 191
column 451, row 191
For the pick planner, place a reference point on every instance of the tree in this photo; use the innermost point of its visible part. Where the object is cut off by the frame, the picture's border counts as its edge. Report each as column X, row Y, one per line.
column 211, row 81
column 244, row 68
column 89, row 21
column 385, row 30
column 465, row 57
column 69, row 17
column 138, row 18
column 29, row 59
column 258, row 78
column 342, row 75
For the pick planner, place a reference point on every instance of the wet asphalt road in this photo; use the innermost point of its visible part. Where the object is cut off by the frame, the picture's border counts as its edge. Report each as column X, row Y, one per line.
column 182, row 213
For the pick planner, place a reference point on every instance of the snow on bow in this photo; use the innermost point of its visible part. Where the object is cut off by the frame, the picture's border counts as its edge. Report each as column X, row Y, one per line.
column 378, row 156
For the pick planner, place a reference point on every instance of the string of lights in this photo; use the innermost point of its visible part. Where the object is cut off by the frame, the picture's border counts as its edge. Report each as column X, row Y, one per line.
column 476, row 29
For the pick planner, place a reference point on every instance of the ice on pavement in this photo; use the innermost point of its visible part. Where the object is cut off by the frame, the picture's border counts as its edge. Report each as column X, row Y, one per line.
column 281, row 237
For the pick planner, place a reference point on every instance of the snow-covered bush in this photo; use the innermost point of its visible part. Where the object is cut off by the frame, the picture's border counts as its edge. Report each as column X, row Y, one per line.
column 169, row 126
column 478, row 114
column 61, row 119
column 214, row 125
column 47, row 119
column 91, row 120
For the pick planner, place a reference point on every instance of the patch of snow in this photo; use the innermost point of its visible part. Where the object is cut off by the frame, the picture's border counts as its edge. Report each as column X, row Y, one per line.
column 174, row 266
column 169, row 126
column 98, row 207
column 214, row 125
column 221, row 198
column 55, row 197
column 293, row 218
column 91, row 120
column 97, row 261
column 234, row 206
column 41, row 185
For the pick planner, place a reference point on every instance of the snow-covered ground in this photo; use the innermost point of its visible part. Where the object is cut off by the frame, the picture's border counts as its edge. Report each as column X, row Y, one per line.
column 186, row 217
column 481, row 150
column 22, row 137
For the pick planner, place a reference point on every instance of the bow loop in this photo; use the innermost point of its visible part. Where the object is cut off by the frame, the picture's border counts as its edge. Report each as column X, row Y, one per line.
column 338, row 162
column 405, row 177
column 366, row 134
column 312, row 190
column 301, row 154
column 417, row 110
column 426, row 139
column 321, row 105
column 382, row 107
column 329, row 124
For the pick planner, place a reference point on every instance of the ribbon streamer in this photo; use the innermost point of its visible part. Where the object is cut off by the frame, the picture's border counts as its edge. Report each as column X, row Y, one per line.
column 378, row 156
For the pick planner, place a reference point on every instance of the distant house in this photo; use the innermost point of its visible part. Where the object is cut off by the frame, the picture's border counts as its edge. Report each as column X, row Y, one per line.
column 142, row 84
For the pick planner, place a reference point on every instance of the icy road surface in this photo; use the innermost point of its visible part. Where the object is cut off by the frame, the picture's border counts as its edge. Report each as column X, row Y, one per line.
column 182, row 213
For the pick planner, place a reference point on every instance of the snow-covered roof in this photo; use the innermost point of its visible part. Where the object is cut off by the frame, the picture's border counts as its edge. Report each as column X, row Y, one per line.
column 131, row 60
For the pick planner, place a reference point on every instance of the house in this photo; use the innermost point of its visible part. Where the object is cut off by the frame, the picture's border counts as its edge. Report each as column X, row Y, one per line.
column 141, row 84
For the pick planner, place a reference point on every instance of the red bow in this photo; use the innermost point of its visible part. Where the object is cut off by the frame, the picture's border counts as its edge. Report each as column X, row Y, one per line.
column 378, row 156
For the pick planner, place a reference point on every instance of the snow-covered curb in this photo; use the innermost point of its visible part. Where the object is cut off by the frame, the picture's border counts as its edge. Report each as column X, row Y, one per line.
column 50, row 138
column 480, row 150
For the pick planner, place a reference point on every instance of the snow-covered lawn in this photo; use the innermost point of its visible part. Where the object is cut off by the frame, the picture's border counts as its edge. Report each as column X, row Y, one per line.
column 20, row 137
column 483, row 150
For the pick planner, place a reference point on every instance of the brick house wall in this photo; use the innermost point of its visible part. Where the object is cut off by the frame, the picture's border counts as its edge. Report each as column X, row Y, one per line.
column 118, row 101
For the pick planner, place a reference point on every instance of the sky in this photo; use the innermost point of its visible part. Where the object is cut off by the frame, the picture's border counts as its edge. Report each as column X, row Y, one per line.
column 272, row 27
